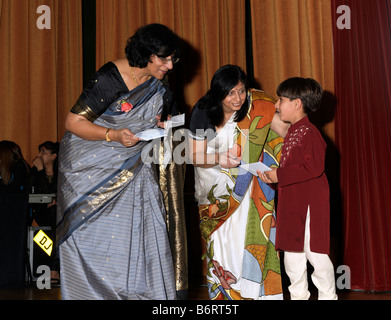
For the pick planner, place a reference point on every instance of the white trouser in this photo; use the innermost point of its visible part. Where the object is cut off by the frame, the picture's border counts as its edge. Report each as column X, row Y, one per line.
column 296, row 269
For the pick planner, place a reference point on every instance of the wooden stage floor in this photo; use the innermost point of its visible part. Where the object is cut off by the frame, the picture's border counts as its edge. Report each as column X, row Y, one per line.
column 195, row 293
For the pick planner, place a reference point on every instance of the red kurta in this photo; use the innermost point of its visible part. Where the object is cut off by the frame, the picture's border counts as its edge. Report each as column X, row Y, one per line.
column 301, row 182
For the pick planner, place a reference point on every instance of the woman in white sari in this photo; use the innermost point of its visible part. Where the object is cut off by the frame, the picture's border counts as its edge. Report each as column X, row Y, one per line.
column 232, row 125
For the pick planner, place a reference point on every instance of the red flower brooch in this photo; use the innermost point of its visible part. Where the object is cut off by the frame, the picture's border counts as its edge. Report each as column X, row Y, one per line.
column 126, row 106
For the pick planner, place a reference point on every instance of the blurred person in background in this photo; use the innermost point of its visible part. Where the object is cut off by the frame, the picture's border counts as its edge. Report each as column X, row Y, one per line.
column 42, row 179
column 13, row 168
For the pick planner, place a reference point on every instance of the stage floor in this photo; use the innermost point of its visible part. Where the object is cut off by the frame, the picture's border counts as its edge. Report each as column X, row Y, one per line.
column 195, row 293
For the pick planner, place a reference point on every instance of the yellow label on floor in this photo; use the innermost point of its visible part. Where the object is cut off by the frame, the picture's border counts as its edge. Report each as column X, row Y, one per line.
column 44, row 242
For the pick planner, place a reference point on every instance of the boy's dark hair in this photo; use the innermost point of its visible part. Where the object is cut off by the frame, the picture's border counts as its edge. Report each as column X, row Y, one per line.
column 308, row 90
column 151, row 39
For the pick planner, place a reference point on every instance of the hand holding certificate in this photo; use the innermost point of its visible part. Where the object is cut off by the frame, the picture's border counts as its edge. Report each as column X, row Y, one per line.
column 254, row 167
column 266, row 174
column 151, row 134
column 176, row 121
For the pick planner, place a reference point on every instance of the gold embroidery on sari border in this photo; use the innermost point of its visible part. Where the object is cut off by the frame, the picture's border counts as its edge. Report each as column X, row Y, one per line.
column 84, row 110
column 104, row 193
column 171, row 181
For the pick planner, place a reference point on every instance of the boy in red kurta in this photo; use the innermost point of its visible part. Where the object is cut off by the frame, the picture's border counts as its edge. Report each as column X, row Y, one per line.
column 303, row 210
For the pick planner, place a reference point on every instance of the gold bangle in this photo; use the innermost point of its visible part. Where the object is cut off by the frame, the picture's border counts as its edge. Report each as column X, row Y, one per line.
column 107, row 135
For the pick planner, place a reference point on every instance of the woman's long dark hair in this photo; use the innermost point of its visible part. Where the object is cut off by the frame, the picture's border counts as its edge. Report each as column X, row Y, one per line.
column 10, row 153
column 224, row 79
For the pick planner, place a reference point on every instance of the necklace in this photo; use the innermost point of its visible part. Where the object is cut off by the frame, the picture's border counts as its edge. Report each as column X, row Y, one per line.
column 134, row 77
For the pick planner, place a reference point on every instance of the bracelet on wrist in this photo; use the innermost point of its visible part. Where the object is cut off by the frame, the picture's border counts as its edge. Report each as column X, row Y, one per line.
column 107, row 135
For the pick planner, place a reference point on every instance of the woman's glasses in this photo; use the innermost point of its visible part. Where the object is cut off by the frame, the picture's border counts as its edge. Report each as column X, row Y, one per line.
column 168, row 60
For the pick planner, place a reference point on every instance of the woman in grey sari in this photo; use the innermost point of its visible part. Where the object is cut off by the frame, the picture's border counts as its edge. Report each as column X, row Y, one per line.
column 111, row 229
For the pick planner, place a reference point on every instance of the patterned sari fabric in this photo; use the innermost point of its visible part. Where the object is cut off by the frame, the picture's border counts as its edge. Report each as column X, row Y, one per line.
column 111, row 219
column 237, row 217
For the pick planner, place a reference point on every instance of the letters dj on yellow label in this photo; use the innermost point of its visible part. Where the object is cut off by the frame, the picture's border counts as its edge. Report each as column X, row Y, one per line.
column 44, row 242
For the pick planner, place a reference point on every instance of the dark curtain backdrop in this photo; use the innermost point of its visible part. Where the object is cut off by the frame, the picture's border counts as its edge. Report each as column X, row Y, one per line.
column 363, row 136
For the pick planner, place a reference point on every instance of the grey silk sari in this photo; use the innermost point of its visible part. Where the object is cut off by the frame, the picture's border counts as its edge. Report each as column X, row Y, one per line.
column 111, row 229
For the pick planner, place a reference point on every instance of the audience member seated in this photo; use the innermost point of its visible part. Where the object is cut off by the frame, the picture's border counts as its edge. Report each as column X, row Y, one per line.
column 13, row 214
column 13, row 168
column 42, row 179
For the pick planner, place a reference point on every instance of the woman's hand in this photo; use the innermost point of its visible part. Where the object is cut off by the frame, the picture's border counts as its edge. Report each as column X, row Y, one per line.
column 87, row 130
column 160, row 123
column 229, row 159
column 124, row 136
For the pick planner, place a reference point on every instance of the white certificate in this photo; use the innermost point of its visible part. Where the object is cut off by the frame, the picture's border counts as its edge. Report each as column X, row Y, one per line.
column 253, row 167
column 151, row 134
column 177, row 121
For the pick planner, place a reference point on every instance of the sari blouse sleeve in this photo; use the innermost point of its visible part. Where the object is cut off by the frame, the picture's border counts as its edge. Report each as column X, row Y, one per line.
column 104, row 88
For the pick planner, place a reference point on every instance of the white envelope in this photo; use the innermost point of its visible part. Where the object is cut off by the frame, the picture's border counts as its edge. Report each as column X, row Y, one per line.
column 253, row 167
column 177, row 121
column 151, row 134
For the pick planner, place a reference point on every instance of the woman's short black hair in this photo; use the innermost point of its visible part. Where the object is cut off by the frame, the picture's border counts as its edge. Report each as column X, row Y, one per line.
column 224, row 79
column 308, row 90
column 151, row 39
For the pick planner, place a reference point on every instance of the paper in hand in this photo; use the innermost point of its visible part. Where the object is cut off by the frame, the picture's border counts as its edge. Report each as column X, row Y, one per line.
column 176, row 121
column 254, row 167
column 151, row 134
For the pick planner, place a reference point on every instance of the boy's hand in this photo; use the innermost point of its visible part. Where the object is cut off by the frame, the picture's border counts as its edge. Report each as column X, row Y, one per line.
column 268, row 176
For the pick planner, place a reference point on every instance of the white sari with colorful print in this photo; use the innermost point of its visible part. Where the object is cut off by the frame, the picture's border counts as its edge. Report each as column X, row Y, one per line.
column 237, row 217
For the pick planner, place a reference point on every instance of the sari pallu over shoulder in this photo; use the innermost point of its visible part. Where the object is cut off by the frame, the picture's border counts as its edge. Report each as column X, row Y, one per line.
column 94, row 173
